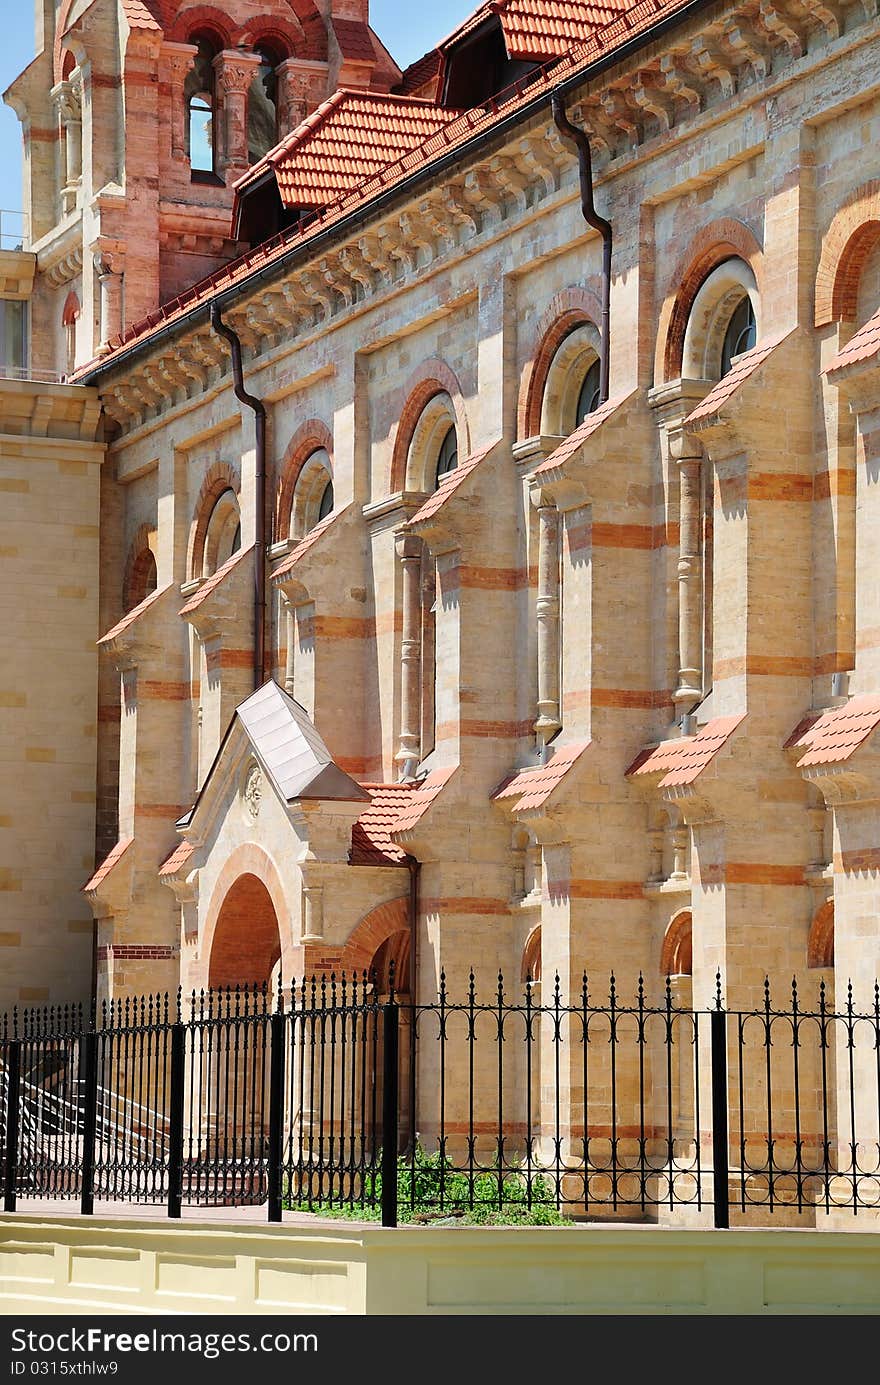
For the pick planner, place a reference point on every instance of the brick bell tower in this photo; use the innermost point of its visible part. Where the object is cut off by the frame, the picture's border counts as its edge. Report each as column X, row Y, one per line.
column 137, row 118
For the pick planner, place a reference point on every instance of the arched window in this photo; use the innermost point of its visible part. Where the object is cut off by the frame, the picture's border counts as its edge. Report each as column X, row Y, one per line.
column 69, row 319
column 571, row 391
column 262, row 108
column 447, row 457
column 676, row 958
column 141, row 579
column 223, row 537
column 723, row 321
column 313, row 498
column 820, row 949
column 200, row 95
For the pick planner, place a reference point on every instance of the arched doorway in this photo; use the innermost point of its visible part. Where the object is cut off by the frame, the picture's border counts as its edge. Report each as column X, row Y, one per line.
column 246, row 944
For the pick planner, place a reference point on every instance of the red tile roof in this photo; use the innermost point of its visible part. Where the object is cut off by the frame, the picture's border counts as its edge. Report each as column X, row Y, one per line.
column 537, row 30
column 863, row 346
column 682, row 761
column 355, row 40
column 351, row 136
column 830, row 737
column 624, row 26
column 532, row 787
column 305, row 544
column 213, row 582
column 743, row 369
column 421, row 74
column 449, row 484
column 420, row 800
column 138, row 15
column 179, row 857
column 131, row 616
column 591, row 424
column 107, row 864
column 371, row 841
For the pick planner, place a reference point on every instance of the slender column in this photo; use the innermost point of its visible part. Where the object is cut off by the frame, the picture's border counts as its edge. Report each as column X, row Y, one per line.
column 67, row 99
column 110, row 283
column 178, row 59
column 235, row 71
column 409, row 550
column 290, row 638
column 687, row 456
column 547, row 610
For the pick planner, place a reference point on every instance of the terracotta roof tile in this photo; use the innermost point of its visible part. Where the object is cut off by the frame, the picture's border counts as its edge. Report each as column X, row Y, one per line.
column 179, row 857
column 421, row 798
column 138, row 15
column 107, row 864
column 305, row 544
column 532, row 787
column 743, row 368
column 591, row 424
column 213, row 582
column 346, row 140
column 537, row 30
column 422, row 73
column 863, row 346
column 354, row 39
column 131, row 616
column 463, row 128
column 831, row 736
column 682, row 761
column 449, row 484
column 371, row 841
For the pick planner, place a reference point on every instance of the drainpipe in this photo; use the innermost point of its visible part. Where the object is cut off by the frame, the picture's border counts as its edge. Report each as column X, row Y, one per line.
column 415, row 871
column 579, row 138
column 259, row 409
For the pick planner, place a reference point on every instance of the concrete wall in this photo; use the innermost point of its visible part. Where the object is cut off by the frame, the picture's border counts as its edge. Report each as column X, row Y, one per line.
column 78, row 1266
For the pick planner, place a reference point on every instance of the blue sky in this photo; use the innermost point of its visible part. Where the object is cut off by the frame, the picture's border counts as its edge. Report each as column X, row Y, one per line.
column 407, row 29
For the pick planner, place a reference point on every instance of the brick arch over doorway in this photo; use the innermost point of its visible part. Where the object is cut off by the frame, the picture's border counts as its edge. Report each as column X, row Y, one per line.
column 227, row 932
column 374, row 929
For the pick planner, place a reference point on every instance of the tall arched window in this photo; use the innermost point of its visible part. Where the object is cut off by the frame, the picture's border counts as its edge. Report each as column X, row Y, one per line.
column 223, row 537
column 723, row 321
column 201, row 100
column 588, row 399
column 262, row 105
column 740, row 334
column 447, row 458
column 313, row 498
column 571, row 391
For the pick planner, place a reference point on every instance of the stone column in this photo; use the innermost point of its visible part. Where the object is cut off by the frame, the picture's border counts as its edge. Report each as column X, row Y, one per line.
column 67, row 99
column 409, row 551
column 547, row 610
column 235, row 71
column 290, row 639
column 110, row 283
column 178, row 58
column 688, row 458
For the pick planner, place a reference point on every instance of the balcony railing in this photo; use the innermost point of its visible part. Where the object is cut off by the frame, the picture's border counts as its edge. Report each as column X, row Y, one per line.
column 13, row 230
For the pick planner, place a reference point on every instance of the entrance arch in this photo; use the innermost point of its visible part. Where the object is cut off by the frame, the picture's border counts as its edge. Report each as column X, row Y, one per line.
column 246, row 943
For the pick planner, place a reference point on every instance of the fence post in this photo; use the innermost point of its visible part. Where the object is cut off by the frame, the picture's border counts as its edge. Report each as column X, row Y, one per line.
column 720, row 1170
column 390, row 1033
column 175, row 1131
column 89, row 1042
column 13, row 1092
column 276, row 1112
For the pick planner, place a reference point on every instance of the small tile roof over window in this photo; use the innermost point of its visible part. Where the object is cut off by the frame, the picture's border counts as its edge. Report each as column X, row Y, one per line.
column 131, row 616
column 742, row 370
column 213, row 582
column 682, row 761
column 371, row 840
column 178, row 858
column 107, row 865
column 591, row 424
column 862, row 347
column 344, row 142
column 531, row 788
column 305, row 544
column 449, row 484
column 420, row 800
column 539, row 30
column 829, row 737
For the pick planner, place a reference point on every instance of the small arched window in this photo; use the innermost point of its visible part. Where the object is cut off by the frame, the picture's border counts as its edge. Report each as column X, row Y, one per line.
column 224, row 532
column 142, row 579
column 326, row 506
column 200, row 95
column 740, row 334
column 588, row 399
column 313, row 498
column 69, row 319
column 447, row 457
column 262, row 109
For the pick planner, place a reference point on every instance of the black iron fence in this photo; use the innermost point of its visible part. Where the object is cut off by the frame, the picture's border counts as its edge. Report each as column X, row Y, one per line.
column 332, row 1097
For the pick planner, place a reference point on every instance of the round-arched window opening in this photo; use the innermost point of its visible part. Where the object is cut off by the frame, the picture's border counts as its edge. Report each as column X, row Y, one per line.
column 741, row 333
column 142, row 579
column 224, row 532
column 447, row 458
column 326, row 506
column 200, row 94
column 588, row 399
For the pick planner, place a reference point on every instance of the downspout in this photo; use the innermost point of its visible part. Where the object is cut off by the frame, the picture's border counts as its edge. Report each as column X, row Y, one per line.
column 579, row 138
column 415, row 871
column 259, row 410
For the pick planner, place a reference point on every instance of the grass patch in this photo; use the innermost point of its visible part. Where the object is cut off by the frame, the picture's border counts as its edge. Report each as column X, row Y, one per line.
column 431, row 1191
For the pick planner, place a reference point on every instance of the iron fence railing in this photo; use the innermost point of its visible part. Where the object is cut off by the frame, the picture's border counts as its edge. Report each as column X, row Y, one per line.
column 333, row 1096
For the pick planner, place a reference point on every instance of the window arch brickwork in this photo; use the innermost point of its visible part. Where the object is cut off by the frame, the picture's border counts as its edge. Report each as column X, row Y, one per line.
column 433, row 377
column 311, row 436
column 820, row 949
column 219, row 478
column 676, row 955
column 852, row 234
column 138, row 566
column 719, row 241
column 371, row 932
column 567, row 311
